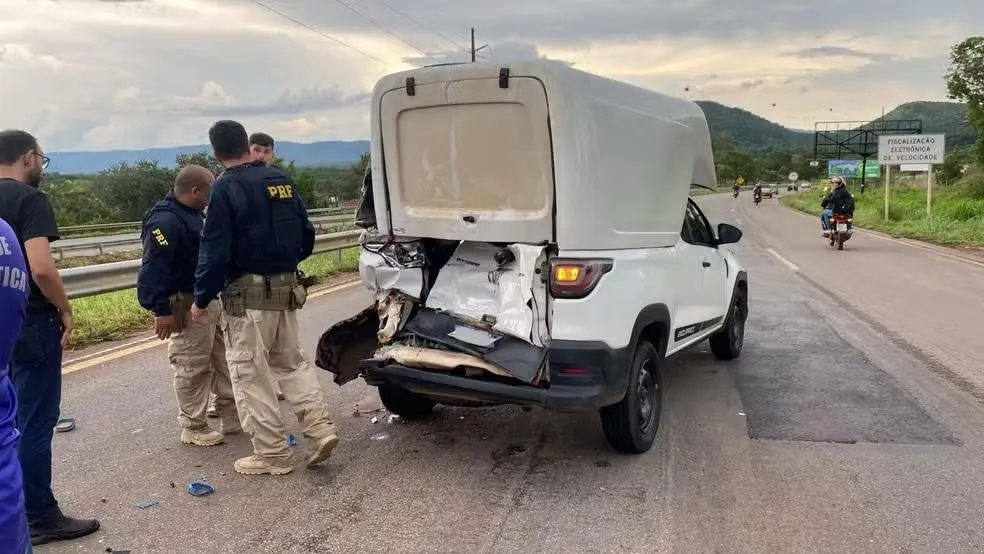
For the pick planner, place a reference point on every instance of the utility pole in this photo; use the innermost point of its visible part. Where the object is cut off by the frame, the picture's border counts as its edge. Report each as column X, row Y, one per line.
column 474, row 50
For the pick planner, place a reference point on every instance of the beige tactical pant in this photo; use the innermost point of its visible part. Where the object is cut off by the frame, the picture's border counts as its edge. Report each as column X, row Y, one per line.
column 264, row 347
column 197, row 357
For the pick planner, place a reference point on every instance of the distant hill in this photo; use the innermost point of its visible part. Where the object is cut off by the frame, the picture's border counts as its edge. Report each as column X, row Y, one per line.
column 321, row 153
column 747, row 131
column 751, row 132
column 939, row 117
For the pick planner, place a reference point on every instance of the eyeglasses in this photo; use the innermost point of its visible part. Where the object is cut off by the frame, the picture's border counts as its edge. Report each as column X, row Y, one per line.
column 45, row 160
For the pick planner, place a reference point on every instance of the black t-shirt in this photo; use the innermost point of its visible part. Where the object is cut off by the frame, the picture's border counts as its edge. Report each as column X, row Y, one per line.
column 29, row 212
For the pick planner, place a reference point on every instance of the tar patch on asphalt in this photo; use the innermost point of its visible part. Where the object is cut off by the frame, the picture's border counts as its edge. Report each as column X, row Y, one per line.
column 800, row 381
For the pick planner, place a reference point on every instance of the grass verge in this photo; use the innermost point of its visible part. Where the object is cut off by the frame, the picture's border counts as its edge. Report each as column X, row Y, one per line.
column 114, row 315
column 957, row 215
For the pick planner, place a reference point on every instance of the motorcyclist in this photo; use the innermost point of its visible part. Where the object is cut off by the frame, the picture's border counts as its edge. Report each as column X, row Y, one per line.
column 838, row 200
column 757, row 192
column 736, row 188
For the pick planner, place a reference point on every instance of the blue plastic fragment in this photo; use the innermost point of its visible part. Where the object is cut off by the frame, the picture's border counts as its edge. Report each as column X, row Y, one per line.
column 200, row 488
column 291, row 440
column 148, row 504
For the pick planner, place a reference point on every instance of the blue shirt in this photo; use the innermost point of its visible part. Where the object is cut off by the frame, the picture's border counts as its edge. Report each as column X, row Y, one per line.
column 14, row 287
column 171, row 233
column 257, row 223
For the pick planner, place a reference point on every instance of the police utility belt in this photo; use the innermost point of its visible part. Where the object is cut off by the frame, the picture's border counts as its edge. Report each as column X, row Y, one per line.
column 279, row 292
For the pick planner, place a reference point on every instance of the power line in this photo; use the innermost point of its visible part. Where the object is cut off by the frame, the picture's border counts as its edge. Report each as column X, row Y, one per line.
column 323, row 34
column 425, row 27
column 383, row 29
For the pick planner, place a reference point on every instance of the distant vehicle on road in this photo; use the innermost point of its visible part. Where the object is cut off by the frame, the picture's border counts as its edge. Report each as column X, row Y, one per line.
column 522, row 272
column 767, row 191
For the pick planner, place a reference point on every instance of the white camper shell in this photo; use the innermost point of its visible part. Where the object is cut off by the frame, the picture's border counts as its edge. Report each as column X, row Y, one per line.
column 530, row 240
column 534, row 152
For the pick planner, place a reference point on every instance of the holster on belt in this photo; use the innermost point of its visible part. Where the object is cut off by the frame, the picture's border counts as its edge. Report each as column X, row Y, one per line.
column 263, row 292
column 181, row 309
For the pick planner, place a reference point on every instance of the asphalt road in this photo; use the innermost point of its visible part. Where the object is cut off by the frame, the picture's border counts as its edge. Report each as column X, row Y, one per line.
column 852, row 423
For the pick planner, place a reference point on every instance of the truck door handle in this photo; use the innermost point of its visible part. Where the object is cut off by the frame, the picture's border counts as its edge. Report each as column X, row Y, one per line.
column 705, row 263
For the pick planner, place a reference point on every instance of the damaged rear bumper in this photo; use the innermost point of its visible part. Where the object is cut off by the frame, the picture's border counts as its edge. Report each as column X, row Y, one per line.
column 583, row 376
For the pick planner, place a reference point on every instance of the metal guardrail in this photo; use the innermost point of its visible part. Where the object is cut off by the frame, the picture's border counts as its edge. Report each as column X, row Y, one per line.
column 131, row 224
column 102, row 278
column 99, row 245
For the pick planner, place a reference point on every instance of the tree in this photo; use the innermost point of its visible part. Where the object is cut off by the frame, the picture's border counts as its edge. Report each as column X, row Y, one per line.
column 75, row 203
column 965, row 82
column 131, row 189
column 202, row 158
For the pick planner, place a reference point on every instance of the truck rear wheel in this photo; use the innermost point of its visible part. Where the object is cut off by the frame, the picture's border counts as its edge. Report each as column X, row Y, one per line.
column 408, row 405
column 631, row 425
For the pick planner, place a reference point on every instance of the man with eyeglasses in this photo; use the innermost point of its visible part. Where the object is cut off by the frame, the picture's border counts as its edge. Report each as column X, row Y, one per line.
column 35, row 367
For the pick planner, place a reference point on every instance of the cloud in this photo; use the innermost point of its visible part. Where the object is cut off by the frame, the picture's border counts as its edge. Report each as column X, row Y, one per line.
column 87, row 74
column 843, row 52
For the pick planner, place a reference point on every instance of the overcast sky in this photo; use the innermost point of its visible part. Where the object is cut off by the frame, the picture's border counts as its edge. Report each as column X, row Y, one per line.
column 100, row 74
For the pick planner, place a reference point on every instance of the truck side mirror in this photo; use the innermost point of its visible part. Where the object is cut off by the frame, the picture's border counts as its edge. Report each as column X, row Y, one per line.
column 728, row 234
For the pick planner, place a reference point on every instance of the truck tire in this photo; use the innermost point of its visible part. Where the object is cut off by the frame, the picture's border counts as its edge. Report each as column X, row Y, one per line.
column 631, row 425
column 727, row 343
column 408, row 405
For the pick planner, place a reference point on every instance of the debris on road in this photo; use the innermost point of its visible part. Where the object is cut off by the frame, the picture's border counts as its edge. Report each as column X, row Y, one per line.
column 379, row 437
column 393, row 418
column 200, row 488
column 148, row 504
column 291, row 440
column 374, row 420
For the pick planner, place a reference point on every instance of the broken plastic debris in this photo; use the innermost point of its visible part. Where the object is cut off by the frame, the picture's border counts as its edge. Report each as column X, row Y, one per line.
column 742, row 413
column 148, row 504
column 379, row 437
column 374, row 419
column 200, row 488
column 135, row 431
column 291, row 440
column 393, row 418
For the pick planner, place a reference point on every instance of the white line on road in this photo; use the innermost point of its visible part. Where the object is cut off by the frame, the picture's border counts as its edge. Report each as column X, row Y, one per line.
column 784, row 261
column 738, row 219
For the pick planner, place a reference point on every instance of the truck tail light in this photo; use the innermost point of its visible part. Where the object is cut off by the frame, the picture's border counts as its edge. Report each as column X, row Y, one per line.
column 575, row 278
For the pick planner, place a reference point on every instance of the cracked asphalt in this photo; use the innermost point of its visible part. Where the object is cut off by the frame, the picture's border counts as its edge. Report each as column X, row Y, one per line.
column 851, row 423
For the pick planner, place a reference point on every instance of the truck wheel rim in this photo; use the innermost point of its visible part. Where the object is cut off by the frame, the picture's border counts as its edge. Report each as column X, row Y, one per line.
column 647, row 390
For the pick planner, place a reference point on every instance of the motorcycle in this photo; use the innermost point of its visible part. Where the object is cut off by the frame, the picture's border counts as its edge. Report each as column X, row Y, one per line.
column 841, row 229
column 736, row 193
column 758, row 198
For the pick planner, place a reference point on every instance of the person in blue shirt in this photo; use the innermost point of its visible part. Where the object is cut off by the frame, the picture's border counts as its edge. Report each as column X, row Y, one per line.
column 171, row 233
column 256, row 233
column 14, row 535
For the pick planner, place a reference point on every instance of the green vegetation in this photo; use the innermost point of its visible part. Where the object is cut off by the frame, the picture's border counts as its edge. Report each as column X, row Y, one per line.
column 112, row 316
column 126, row 191
column 965, row 82
column 958, row 210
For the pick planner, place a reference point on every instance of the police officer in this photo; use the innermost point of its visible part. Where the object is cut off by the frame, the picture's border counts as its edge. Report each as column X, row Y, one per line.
column 261, row 147
column 196, row 350
column 256, row 233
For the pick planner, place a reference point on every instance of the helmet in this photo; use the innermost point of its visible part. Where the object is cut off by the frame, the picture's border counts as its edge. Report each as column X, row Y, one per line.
column 836, row 181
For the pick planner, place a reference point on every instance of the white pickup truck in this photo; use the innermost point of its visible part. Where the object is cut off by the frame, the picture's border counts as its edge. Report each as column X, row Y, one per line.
column 530, row 240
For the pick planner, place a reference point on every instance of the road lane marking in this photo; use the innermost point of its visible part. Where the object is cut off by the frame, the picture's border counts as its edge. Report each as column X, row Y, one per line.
column 146, row 343
column 784, row 261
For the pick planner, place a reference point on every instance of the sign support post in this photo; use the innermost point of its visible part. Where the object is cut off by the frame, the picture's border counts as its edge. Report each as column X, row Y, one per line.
column 929, row 192
column 888, row 184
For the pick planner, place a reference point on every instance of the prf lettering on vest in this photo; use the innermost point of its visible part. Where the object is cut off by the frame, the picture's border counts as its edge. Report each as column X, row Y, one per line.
column 11, row 277
column 280, row 192
column 161, row 239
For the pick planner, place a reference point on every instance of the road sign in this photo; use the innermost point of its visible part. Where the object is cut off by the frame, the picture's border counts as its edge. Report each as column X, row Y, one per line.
column 916, row 168
column 911, row 149
column 740, row 180
column 793, row 176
